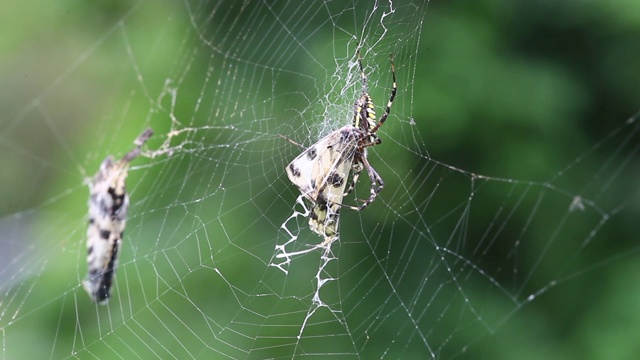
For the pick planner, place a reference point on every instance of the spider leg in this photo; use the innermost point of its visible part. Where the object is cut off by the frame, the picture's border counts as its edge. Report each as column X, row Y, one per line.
column 357, row 168
column 291, row 141
column 376, row 186
column 391, row 98
column 363, row 76
column 360, row 162
column 376, row 183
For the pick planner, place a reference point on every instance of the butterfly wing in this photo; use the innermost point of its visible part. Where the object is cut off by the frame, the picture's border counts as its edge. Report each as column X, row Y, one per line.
column 108, row 205
column 325, row 212
column 321, row 173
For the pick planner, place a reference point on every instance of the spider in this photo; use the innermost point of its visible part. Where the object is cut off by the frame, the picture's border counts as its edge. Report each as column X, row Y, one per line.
column 366, row 136
column 321, row 171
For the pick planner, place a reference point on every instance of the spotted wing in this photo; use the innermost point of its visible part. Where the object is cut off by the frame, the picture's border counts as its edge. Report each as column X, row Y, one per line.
column 325, row 212
column 108, row 206
column 321, row 173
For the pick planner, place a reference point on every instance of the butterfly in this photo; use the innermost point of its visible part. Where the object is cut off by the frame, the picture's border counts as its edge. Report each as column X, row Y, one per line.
column 321, row 173
column 108, row 206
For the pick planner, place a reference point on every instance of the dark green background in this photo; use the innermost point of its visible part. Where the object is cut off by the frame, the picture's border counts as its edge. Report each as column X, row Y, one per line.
column 517, row 105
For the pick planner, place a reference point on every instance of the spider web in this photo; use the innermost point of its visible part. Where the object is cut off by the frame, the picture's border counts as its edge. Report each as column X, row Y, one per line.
column 511, row 191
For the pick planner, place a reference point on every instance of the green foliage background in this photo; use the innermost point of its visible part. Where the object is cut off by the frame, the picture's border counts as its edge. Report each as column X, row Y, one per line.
column 510, row 89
